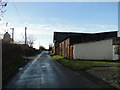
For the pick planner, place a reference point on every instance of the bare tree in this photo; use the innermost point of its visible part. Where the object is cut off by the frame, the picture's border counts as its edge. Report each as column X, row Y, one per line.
column 20, row 41
column 30, row 41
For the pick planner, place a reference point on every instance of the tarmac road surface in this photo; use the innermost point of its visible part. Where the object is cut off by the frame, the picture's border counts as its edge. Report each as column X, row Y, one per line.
column 44, row 72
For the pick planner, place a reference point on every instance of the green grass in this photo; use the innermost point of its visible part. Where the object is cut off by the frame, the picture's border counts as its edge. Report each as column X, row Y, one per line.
column 51, row 53
column 78, row 65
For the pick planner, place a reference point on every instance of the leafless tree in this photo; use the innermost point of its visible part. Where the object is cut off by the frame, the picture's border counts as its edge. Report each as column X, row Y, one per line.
column 30, row 41
column 20, row 41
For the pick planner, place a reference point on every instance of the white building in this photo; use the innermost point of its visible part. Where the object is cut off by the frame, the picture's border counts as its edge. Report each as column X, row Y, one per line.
column 97, row 50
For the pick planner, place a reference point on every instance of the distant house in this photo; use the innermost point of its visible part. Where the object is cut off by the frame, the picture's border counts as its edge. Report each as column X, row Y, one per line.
column 94, row 46
column 6, row 38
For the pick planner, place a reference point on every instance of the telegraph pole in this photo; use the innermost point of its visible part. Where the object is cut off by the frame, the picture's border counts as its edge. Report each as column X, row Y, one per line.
column 6, row 26
column 12, row 35
column 25, row 35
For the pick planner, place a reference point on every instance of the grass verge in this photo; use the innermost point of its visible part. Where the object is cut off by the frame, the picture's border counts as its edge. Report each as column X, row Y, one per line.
column 51, row 53
column 78, row 65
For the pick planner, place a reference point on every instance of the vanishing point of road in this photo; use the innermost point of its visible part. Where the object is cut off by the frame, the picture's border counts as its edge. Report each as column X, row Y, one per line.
column 44, row 72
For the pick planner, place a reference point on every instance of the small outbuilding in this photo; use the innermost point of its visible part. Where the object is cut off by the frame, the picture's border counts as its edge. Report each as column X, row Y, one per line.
column 6, row 38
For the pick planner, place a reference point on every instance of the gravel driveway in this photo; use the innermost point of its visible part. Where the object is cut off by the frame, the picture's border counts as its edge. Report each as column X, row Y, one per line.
column 108, row 74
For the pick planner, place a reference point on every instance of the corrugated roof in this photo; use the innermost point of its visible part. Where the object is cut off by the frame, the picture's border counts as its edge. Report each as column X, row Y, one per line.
column 83, row 37
column 92, row 37
column 61, row 36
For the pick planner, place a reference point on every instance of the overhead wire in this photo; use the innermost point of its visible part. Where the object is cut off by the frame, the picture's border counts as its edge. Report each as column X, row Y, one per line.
column 3, row 4
column 17, row 12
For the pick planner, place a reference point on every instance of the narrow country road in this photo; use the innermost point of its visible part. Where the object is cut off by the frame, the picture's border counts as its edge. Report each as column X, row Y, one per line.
column 44, row 72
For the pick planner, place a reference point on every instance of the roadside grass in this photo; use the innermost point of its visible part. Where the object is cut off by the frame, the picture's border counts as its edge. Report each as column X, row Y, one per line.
column 51, row 53
column 78, row 65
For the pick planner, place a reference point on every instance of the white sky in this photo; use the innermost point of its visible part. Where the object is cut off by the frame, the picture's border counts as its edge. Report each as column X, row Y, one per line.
column 62, row 0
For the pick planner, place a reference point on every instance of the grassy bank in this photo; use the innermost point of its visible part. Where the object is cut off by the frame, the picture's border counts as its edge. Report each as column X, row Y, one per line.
column 51, row 53
column 78, row 65
column 12, row 59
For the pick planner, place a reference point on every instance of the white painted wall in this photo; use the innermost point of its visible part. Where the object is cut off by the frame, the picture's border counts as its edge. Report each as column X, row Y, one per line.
column 115, row 56
column 99, row 50
column 118, row 34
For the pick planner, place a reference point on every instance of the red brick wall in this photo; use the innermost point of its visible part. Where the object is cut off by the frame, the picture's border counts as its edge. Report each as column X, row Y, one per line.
column 56, row 48
column 53, row 49
column 67, row 46
column 71, row 52
column 57, row 51
column 60, row 48
column 65, row 49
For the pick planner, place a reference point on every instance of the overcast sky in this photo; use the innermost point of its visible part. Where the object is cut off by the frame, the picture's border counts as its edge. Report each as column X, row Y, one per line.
column 43, row 18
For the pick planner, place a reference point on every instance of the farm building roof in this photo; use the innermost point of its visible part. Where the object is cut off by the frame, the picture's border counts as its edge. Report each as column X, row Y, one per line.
column 61, row 36
column 83, row 37
column 92, row 37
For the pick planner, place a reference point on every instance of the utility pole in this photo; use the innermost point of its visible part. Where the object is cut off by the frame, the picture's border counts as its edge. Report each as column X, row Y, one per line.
column 12, row 35
column 6, row 26
column 25, row 35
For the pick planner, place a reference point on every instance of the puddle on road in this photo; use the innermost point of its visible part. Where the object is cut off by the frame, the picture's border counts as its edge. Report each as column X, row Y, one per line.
column 43, row 66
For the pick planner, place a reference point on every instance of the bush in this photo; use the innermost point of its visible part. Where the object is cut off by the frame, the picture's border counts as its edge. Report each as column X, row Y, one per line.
column 12, row 59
